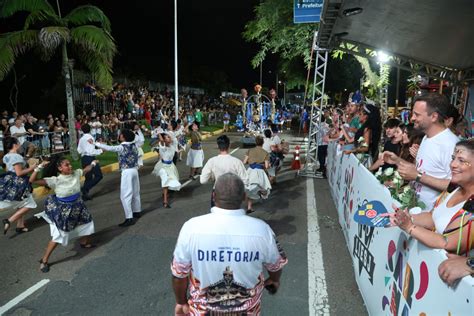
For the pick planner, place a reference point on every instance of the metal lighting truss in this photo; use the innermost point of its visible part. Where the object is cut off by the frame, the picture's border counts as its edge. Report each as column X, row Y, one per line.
column 443, row 73
column 317, row 104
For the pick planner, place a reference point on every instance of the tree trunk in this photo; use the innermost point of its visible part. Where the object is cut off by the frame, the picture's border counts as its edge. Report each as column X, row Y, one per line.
column 70, row 106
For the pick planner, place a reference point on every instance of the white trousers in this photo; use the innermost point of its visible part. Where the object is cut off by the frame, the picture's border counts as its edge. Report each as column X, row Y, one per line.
column 130, row 192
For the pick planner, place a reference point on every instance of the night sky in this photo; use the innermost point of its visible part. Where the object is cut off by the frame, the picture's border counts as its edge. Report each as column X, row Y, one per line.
column 209, row 37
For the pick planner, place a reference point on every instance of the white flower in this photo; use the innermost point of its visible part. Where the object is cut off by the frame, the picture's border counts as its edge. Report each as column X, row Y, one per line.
column 406, row 189
column 361, row 139
column 379, row 172
column 396, row 180
column 397, row 175
column 388, row 171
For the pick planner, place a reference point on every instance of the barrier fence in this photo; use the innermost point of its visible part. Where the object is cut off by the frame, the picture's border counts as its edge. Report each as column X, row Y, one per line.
column 396, row 274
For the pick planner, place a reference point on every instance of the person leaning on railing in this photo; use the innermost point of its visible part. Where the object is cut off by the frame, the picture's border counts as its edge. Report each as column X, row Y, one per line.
column 448, row 225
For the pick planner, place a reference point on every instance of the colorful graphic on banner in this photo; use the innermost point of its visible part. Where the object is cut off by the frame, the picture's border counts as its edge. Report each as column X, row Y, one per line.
column 370, row 214
column 396, row 274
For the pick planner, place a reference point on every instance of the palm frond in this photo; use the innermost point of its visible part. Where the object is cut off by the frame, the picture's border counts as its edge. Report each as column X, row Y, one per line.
column 100, row 68
column 42, row 17
column 14, row 44
column 88, row 14
column 10, row 7
column 94, row 39
column 51, row 37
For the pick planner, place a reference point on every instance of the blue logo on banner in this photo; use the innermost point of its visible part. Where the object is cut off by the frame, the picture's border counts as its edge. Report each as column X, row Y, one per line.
column 307, row 11
column 369, row 214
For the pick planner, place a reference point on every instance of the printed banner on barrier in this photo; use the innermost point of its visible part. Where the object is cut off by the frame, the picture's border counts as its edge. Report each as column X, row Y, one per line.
column 396, row 274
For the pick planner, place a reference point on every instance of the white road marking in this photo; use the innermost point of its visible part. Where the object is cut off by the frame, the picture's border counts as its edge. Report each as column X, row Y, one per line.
column 317, row 289
column 233, row 151
column 22, row 296
column 186, row 183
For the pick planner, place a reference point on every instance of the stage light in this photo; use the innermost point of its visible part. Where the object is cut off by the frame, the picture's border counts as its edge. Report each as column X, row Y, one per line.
column 383, row 57
column 352, row 11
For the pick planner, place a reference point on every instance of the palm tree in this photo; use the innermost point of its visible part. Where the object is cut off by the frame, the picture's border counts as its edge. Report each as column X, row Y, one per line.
column 86, row 29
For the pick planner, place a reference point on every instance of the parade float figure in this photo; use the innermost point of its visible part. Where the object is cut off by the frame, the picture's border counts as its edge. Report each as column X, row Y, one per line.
column 239, row 122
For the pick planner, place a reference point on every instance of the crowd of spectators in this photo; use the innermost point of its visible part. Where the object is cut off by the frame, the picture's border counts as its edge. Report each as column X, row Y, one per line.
column 432, row 154
column 43, row 135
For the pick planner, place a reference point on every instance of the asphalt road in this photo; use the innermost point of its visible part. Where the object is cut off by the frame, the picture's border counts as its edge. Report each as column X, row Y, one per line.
column 128, row 273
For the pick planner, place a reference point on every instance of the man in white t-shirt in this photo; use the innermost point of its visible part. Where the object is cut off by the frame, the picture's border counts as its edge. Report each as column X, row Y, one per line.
column 222, row 256
column 431, row 173
column 18, row 130
column 223, row 163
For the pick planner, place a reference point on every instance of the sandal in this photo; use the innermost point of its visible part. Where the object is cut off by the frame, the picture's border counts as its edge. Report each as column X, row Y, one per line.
column 44, row 266
column 6, row 226
column 21, row 230
column 166, row 205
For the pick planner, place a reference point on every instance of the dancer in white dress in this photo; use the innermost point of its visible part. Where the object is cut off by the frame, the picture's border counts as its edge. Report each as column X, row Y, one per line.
column 165, row 168
column 195, row 159
column 65, row 211
column 15, row 187
column 258, row 185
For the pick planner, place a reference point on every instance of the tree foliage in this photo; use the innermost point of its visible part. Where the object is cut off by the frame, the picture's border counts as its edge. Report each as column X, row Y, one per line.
column 86, row 30
column 273, row 29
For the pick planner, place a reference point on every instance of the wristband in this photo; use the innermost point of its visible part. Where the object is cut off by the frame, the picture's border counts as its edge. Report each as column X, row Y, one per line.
column 418, row 177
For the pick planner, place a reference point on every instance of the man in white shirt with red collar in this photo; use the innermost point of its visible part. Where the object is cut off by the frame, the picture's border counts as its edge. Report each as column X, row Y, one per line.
column 221, row 256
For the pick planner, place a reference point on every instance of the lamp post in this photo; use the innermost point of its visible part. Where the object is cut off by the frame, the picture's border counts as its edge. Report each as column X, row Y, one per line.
column 176, row 98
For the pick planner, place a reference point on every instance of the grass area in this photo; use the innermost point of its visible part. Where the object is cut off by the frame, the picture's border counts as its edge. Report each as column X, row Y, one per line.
column 107, row 157
column 212, row 127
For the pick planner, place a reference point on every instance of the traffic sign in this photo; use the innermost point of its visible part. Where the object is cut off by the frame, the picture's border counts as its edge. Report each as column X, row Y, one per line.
column 307, row 11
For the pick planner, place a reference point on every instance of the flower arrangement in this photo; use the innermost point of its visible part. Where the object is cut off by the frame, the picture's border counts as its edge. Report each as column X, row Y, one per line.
column 404, row 194
column 361, row 144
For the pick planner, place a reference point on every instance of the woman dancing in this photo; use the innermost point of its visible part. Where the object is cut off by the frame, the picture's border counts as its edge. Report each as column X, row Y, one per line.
column 165, row 168
column 258, row 186
column 65, row 211
column 15, row 188
column 195, row 157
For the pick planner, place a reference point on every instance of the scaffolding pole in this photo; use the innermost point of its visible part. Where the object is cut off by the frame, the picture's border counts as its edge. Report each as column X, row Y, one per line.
column 317, row 104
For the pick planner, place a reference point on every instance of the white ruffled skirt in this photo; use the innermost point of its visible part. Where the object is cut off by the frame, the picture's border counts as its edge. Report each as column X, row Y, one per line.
column 62, row 237
column 169, row 175
column 195, row 158
column 258, row 186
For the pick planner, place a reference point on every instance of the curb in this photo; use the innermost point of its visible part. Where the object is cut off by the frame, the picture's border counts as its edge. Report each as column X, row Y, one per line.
column 42, row 191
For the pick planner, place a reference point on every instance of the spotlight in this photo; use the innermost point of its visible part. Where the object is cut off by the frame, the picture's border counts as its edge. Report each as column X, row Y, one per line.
column 383, row 57
column 352, row 11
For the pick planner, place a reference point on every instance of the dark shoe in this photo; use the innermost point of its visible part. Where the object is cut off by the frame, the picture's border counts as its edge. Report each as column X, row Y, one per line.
column 87, row 246
column 86, row 197
column 166, row 205
column 249, row 211
column 127, row 222
column 44, row 266
column 6, row 226
column 21, row 230
column 137, row 215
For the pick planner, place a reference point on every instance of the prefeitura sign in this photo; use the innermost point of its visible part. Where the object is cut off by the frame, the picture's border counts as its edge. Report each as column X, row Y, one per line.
column 307, row 11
